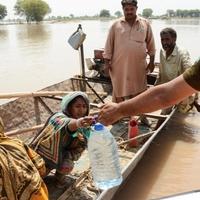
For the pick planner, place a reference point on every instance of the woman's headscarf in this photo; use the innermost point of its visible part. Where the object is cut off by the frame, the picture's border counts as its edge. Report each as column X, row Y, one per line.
column 70, row 97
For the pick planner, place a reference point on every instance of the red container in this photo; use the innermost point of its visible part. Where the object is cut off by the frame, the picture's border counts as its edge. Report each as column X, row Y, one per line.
column 133, row 132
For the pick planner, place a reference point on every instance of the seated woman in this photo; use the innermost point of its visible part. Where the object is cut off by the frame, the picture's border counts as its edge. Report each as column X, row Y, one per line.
column 64, row 136
column 21, row 170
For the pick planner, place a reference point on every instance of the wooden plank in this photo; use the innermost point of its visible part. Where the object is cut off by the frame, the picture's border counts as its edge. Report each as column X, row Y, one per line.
column 40, row 93
column 25, row 130
column 78, row 182
column 37, row 110
column 155, row 116
column 136, row 138
column 45, row 106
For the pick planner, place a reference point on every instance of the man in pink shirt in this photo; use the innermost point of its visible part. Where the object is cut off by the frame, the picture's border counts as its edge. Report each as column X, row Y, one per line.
column 129, row 41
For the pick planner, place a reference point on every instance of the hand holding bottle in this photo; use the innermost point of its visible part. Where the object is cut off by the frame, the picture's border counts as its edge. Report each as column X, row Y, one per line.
column 84, row 122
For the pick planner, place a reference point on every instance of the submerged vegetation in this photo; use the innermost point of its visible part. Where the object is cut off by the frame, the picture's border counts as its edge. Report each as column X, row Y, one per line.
column 3, row 11
column 32, row 10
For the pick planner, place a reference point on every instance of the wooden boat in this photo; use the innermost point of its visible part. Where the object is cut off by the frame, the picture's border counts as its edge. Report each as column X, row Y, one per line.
column 27, row 113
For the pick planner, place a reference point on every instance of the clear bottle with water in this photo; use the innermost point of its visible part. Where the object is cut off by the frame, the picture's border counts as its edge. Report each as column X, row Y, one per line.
column 104, row 159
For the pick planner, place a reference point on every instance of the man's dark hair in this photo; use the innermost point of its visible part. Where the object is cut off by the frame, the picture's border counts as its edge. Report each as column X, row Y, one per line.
column 171, row 31
column 132, row 2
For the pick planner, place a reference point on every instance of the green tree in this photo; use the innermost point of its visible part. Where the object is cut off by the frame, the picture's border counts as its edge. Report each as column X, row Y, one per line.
column 147, row 12
column 104, row 13
column 180, row 13
column 33, row 10
column 118, row 14
column 194, row 13
column 3, row 11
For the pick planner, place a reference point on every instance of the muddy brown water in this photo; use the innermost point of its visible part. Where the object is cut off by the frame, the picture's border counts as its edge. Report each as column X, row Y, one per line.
column 34, row 56
column 171, row 165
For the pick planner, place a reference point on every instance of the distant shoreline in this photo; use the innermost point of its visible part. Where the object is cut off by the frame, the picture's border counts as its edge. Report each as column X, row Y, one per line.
column 20, row 21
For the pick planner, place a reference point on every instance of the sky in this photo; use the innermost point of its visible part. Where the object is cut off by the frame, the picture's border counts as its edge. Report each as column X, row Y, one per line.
column 93, row 7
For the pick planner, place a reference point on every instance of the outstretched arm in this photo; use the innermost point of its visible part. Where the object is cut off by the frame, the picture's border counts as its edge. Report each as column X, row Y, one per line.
column 82, row 122
column 160, row 96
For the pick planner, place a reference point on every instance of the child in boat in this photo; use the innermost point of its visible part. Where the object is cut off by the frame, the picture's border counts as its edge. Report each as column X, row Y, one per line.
column 64, row 136
column 21, row 170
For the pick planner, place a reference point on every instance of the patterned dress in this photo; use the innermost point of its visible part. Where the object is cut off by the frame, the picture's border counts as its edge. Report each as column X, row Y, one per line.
column 58, row 146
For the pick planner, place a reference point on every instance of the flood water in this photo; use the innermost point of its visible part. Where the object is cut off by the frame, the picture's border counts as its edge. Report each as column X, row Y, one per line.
column 36, row 56
column 171, row 165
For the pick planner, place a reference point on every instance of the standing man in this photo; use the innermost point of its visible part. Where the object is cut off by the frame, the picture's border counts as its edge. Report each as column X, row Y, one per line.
column 173, row 62
column 129, row 41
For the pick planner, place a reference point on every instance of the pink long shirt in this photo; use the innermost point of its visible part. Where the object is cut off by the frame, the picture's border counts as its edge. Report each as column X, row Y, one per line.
column 127, row 48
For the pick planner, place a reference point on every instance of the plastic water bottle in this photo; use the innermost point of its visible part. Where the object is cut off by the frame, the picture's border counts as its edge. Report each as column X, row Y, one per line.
column 104, row 159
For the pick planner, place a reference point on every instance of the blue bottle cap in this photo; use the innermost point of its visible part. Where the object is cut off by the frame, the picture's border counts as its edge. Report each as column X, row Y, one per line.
column 98, row 127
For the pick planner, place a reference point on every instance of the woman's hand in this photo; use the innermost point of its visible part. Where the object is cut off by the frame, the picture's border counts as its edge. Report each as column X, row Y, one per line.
column 84, row 122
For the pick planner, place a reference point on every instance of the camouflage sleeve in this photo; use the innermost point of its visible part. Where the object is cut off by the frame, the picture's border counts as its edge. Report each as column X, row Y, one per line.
column 192, row 76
